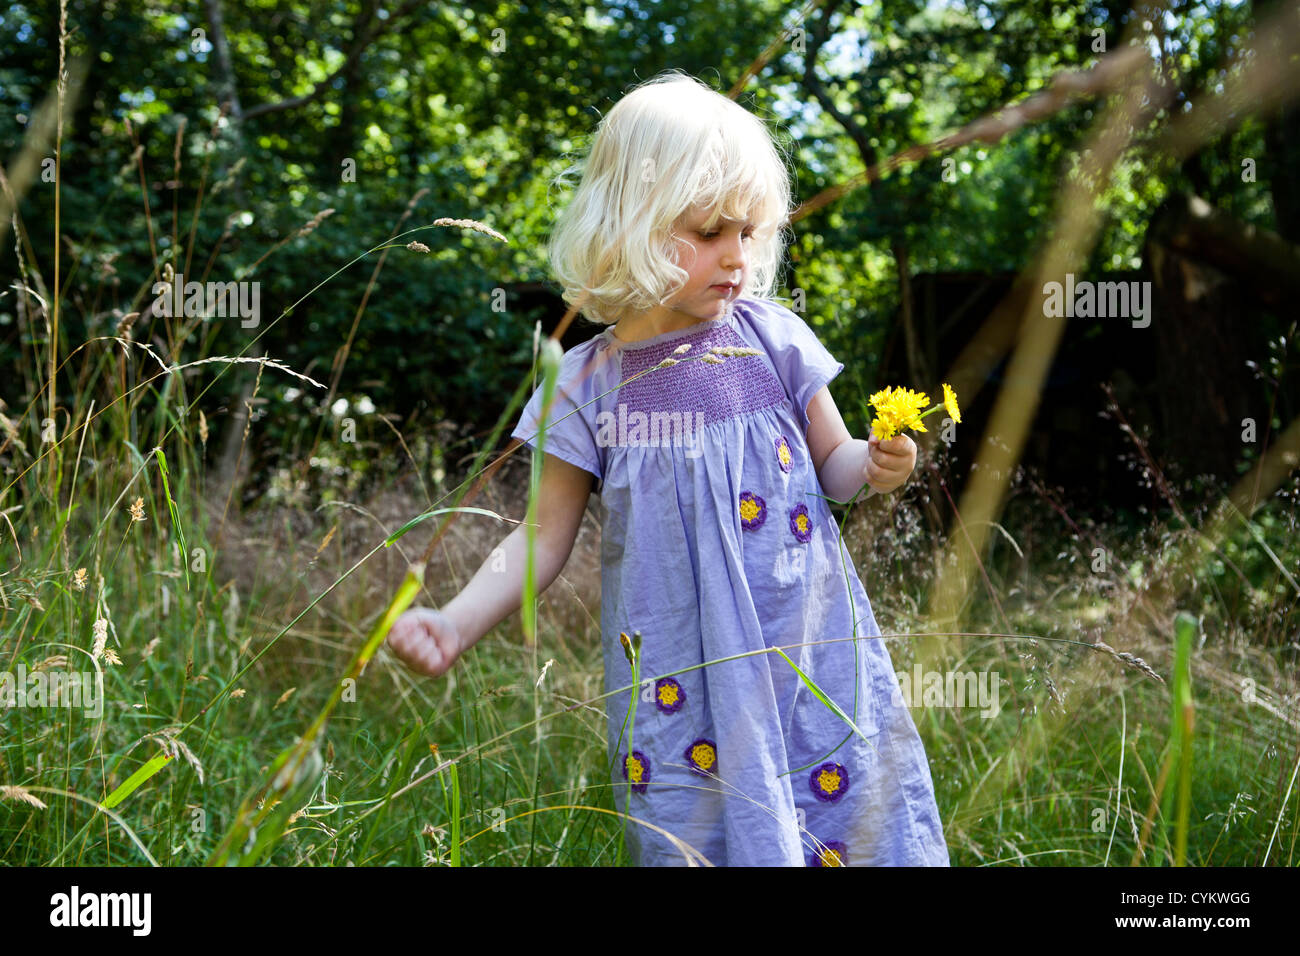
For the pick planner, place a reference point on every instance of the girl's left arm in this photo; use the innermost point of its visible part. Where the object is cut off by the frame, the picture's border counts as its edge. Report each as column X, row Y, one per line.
column 843, row 462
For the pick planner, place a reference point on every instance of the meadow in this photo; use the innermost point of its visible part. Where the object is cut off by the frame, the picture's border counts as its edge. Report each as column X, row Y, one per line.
column 221, row 638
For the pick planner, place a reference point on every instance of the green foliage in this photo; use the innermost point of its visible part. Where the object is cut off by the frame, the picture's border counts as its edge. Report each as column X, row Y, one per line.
column 481, row 105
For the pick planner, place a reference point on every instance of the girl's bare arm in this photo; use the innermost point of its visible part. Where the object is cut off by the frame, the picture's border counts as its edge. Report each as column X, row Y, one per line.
column 430, row 641
column 495, row 591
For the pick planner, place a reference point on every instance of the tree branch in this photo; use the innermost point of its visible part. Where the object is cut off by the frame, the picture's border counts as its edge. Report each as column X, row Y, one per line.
column 358, row 46
column 817, row 37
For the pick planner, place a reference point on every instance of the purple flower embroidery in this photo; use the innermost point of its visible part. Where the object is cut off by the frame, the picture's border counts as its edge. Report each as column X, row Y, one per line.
column 829, row 782
column 669, row 696
column 753, row 511
column 784, row 457
column 636, row 770
column 800, row 524
column 833, row 853
column 702, row 756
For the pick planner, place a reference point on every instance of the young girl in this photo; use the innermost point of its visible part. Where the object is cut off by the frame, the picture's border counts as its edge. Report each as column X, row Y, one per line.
column 716, row 542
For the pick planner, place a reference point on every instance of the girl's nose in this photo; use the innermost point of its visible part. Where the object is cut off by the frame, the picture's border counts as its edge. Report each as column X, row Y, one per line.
column 733, row 254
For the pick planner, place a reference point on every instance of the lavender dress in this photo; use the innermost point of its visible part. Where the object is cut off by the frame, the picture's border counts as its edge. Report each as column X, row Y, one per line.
column 714, row 544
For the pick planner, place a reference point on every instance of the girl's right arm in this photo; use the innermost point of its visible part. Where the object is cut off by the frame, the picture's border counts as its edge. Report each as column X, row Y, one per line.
column 429, row 641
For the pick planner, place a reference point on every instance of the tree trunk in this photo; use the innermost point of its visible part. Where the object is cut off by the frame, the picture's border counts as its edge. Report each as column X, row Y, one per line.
column 1206, row 268
column 916, row 364
column 228, row 91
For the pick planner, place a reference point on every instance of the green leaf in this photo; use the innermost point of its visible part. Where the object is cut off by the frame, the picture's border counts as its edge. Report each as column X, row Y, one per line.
column 134, row 781
column 175, row 513
column 821, row 695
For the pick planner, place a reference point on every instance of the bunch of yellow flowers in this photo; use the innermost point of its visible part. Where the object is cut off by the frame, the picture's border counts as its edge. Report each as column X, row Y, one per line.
column 900, row 408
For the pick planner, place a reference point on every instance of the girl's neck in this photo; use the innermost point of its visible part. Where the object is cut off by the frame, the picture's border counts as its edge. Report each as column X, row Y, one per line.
column 658, row 321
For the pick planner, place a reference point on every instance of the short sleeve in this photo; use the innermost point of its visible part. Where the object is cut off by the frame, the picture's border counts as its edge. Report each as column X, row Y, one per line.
column 570, row 432
column 802, row 363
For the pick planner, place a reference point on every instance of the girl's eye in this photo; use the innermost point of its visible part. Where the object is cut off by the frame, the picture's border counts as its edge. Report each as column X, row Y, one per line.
column 710, row 235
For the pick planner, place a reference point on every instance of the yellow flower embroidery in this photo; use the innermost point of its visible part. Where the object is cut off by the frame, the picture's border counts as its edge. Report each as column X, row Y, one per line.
column 703, row 755
column 829, row 782
column 669, row 696
column 634, row 770
column 832, row 854
column 753, row 511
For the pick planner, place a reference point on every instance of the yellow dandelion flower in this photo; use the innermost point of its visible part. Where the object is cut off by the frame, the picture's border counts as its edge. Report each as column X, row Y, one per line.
column 897, row 409
column 884, row 427
column 950, row 403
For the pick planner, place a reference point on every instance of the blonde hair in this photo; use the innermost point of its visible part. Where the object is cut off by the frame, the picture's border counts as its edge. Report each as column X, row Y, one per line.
column 669, row 145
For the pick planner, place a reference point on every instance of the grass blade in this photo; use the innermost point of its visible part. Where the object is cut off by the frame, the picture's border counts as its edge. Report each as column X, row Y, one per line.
column 175, row 513
column 133, row 782
column 821, row 695
column 1185, row 628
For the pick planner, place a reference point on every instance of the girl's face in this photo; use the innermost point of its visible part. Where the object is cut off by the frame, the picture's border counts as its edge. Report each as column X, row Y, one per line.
column 717, row 263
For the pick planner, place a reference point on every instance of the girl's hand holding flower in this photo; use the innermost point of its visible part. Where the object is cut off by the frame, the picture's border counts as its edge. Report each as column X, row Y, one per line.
column 889, row 462
column 891, row 454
